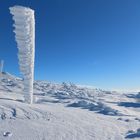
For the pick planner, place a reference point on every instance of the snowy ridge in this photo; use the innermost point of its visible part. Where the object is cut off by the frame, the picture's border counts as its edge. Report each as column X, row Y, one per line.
column 67, row 111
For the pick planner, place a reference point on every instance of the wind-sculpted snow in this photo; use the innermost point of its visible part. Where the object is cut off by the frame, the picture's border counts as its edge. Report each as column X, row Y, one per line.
column 66, row 112
column 132, row 134
column 69, row 94
column 25, row 38
column 67, row 90
column 135, row 96
column 97, row 107
column 22, row 111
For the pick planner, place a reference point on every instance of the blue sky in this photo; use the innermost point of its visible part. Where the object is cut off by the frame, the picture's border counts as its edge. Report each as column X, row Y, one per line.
column 89, row 42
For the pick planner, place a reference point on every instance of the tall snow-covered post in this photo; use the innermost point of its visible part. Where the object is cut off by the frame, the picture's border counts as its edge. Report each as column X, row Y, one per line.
column 1, row 66
column 25, row 38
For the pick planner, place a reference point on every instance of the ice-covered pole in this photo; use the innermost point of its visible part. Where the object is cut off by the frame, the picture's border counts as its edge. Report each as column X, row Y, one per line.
column 1, row 66
column 25, row 38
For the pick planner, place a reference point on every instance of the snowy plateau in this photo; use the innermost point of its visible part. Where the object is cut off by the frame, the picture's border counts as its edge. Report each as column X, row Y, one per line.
column 66, row 112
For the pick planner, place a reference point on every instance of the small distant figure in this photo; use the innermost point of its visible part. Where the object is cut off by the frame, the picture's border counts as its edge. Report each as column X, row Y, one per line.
column 1, row 66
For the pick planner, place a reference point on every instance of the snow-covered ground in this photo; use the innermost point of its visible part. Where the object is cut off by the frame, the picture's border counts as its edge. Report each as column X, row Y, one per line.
column 67, row 112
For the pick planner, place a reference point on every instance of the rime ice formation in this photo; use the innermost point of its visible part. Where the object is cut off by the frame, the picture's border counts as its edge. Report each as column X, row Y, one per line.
column 25, row 38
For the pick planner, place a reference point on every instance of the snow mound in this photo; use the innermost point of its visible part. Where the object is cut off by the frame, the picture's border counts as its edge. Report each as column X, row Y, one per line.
column 132, row 134
column 134, row 95
column 96, row 106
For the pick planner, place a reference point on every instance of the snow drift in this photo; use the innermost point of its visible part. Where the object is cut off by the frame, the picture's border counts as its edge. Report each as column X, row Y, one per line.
column 66, row 112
